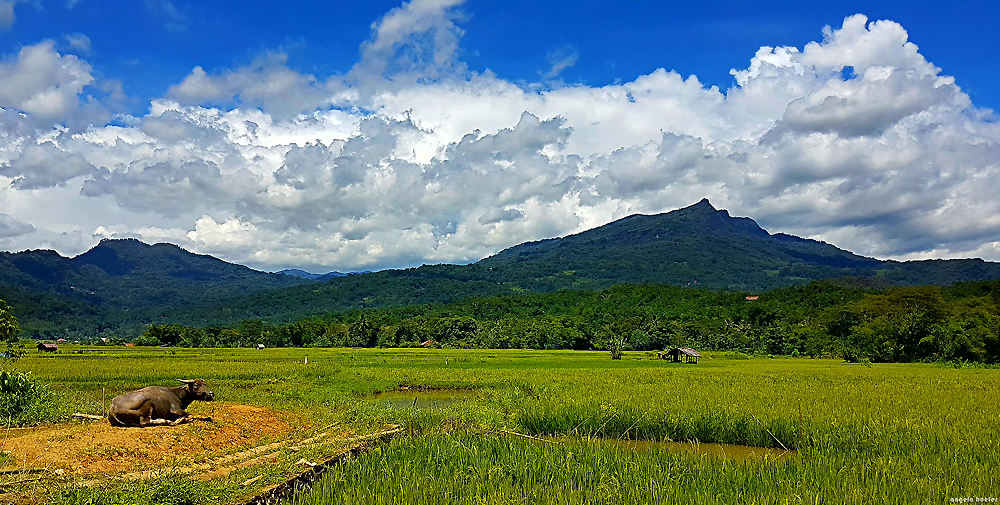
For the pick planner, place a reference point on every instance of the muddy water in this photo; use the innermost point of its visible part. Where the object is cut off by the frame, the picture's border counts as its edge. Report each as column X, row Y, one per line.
column 424, row 399
column 697, row 449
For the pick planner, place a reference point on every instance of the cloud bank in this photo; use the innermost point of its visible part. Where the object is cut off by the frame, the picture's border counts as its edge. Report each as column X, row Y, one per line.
column 410, row 157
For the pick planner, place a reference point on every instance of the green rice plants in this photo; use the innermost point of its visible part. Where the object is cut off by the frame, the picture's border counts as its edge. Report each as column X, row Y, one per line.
column 166, row 490
column 888, row 433
column 24, row 400
column 464, row 468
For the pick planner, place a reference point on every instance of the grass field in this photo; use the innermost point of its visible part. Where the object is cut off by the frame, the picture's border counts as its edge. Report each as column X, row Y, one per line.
column 884, row 433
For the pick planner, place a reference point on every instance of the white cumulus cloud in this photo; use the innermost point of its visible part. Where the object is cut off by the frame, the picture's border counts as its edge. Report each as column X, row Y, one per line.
column 411, row 158
column 267, row 83
column 43, row 83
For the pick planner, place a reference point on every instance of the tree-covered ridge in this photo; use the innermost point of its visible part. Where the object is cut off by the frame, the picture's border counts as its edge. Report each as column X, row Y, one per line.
column 121, row 286
column 847, row 318
column 700, row 245
column 119, row 282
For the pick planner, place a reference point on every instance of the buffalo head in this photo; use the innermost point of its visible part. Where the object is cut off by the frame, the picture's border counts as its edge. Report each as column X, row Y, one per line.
column 198, row 390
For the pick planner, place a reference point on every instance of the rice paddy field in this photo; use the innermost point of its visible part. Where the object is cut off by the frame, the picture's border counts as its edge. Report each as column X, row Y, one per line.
column 576, row 427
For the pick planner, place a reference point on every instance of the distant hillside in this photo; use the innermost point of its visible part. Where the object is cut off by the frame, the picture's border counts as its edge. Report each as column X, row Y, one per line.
column 295, row 272
column 128, row 284
column 121, row 280
column 702, row 246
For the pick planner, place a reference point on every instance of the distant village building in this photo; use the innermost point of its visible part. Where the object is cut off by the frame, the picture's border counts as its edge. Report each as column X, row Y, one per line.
column 47, row 347
column 427, row 343
column 751, row 298
column 681, row 355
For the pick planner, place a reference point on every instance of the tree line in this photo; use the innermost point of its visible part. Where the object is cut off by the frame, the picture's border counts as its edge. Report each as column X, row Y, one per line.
column 848, row 318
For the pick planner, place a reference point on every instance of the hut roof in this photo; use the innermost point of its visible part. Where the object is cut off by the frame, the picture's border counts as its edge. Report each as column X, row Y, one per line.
column 685, row 350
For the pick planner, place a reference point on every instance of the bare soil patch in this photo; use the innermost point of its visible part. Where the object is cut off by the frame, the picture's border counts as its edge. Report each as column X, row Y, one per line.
column 96, row 447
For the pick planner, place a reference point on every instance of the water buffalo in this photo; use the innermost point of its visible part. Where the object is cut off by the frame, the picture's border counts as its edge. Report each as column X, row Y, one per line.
column 158, row 405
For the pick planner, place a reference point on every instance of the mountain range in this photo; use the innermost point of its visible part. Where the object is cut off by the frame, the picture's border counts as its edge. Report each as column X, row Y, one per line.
column 295, row 272
column 123, row 285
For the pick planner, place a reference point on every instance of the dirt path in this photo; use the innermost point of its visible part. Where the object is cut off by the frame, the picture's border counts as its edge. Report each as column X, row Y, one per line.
column 93, row 453
column 96, row 447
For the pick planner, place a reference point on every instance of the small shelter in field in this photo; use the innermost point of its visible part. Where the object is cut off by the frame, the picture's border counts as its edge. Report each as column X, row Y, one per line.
column 682, row 355
column 47, row 347
column 428, row 343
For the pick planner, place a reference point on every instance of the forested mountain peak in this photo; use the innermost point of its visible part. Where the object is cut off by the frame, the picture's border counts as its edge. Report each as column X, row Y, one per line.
column 693, row 222
column 127, row 256
column 118, row 278
column 701, row 217
column 704, row 246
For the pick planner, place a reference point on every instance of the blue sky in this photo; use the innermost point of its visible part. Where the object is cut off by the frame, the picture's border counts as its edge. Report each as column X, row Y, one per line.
column 363, row 135
column 150, row 46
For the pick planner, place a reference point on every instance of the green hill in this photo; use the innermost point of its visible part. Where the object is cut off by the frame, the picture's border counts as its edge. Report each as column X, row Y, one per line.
column 119, row 282
column 696, row 245
column 128, row 284
column 699, row 245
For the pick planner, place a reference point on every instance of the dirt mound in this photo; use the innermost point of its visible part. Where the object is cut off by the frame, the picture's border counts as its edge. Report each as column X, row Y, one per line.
column 97, row 447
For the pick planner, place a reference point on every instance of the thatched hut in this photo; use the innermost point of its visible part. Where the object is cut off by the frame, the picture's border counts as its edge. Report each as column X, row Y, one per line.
column 682, row 355
column 47, row 347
